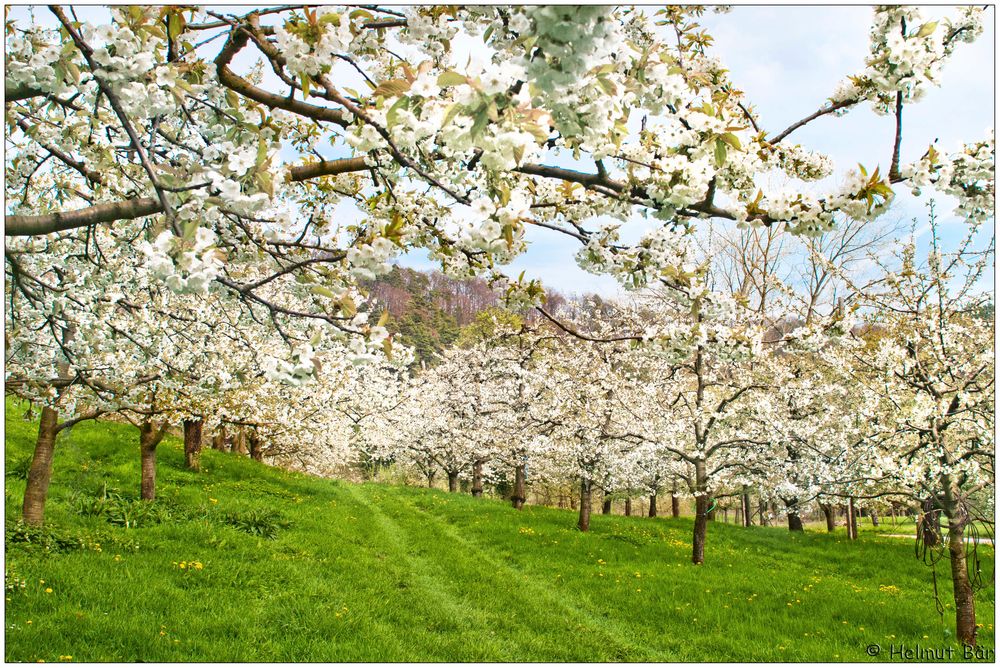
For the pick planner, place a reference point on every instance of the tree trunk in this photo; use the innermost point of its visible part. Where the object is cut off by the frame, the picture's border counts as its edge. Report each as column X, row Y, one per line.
column 584, row 523
column 762, row 509
column 628, row 506
column 256, row 447
column 477, row 479
column 430, row 479
column 965, row 604
column 930, row 523
column 831, row 522
column 852, row 520
column 874, row 516
column 747, row 513
column 149, row 437
column 192, row 443
column 240, row 442
column 518, row 497
column 675, row 505
column 219, row 439
column 40, row 473
column 700, row 528
column 794, row 521
column 452, row 481
column 606, row 506
column 652, row 505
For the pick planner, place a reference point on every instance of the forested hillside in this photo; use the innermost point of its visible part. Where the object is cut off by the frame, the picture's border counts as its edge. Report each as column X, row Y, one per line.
column 428, row 310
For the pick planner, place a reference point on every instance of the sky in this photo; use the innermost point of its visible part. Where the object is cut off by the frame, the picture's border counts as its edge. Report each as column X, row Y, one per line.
column 788, row 60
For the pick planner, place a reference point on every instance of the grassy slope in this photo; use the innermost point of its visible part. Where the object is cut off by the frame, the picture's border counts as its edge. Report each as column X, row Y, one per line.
column 378, row 573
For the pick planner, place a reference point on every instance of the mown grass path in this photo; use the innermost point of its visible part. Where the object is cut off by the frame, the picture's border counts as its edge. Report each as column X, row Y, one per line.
column 378, row 573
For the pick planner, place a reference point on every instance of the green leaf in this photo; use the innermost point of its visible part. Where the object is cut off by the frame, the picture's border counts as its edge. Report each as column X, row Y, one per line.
column 325, row 291
column 519, row 153
column 261, row 150
column 451, row 78
column 508, row 235
column 305, row 82
column 926, row 29
column 175, row 25
column 384, row 318
column 265, row 181
column 537, row 131
column 720, row 152
column 391, row 88
column 479, row 122
column 348, row 307
column 450, row 115
column 392, row 116
column 608, row 85
column 732, row 140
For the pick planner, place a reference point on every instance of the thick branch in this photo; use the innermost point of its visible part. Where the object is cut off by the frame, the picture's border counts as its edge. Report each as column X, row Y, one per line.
column 24, row 226
column 18, row 93
column 236, row 42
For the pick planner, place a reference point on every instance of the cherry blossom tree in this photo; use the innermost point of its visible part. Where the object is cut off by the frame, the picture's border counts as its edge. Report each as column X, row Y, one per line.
column 931, row 359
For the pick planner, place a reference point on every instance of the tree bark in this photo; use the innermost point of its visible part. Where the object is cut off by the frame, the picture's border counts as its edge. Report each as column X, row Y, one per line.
column 240, row 442
column 930, row 523
column 794, row 521
column 517, row 497
column 831, row 521
column 700, row 528
column 747, row 513
column 606, row 506
column 852, row 520
column 40, row 473
column 149, row 437
column 874, row 515
column 452, row 481
column 652, row 505
column 628, row 506
column 965, row 604
column 675, row 505
column 477, row 478
column 192, row 443
column 256, row 447
column 219, row 439
column 584, row 523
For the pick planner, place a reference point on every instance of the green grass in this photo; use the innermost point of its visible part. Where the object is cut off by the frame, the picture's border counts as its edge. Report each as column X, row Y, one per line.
column 378, row 573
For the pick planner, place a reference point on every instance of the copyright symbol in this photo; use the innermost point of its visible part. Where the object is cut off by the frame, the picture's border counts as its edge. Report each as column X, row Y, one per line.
column 873, row 650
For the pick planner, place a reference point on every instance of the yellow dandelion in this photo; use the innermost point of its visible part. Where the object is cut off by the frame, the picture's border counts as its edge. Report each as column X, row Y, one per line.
column 48, row 590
